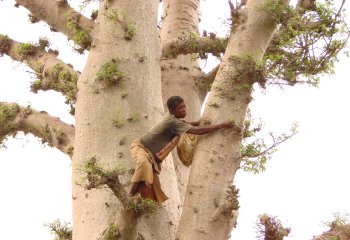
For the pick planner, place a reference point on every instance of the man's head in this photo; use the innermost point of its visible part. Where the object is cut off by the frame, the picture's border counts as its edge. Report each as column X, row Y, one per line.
column 176, row 106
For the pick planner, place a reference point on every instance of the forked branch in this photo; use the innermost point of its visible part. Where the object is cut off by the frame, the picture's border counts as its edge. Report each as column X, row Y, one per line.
column 96, row 177
column 51, row 130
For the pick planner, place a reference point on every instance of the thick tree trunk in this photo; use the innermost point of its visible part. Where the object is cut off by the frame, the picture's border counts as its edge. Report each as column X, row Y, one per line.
column 99, row 105
column 209, row 211
column 180, row 19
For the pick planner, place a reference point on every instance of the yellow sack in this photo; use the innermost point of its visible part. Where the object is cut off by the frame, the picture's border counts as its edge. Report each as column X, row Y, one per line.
column 185, row 148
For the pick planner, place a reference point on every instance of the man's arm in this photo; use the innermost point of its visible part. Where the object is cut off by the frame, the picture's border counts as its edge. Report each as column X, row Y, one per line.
column 195, row 124
column 200, row 130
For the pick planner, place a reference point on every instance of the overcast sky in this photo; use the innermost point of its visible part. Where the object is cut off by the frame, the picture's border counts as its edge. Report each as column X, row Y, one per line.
column 304, row 184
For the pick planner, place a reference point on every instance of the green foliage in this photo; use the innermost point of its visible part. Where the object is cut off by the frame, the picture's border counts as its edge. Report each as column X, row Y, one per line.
column 61, row 137
column 250, row 128
column 44, row 42
column 46, row 135
column 144, row 206
column 255, row 153
column 23, row 50
column 4, row 44
column 61, row 231
column 190, row 44
column 239, row 76
column 91, row 166
column 94, row 14
column 92, row 171
column 109, row 73
column 308, row 44
column 191, row 40
column 128, row 27
column 112, row 232
column 270, row 228
column 81, row 38
column 277, row 9
column 35, row 86
column 7, row 114
column 96, row 176
column 338, row 221
column 69, row 81
column 245, row 70
column 62, row 79
column 257, row 164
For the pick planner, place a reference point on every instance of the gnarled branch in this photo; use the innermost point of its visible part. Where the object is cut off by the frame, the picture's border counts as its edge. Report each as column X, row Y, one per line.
column 14, row 118
column 61, row 17
column 193, row 44
column 96, row 177
column 51, row 73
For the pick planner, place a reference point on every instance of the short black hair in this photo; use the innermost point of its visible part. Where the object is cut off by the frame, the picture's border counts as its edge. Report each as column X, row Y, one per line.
column 173, row 101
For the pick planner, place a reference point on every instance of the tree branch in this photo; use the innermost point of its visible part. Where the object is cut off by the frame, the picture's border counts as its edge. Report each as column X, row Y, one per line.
column 51, row 130
column 61, row 17
column 204, row 81
column 336, row 232
column 274, row 145
column 306, row 45
column 255, row 154
column 96, row 177
column 51, row 73
column 193, row 44
column 302, row 7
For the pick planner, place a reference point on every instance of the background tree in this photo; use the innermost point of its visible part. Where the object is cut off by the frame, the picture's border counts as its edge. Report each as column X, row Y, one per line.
column 118, row 96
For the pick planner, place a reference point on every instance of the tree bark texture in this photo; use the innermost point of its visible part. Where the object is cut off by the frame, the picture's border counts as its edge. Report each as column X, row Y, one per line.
column 98, row 105
column 208, row 212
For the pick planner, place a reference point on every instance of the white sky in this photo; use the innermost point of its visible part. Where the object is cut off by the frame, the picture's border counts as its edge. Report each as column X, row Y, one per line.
column 304, row 184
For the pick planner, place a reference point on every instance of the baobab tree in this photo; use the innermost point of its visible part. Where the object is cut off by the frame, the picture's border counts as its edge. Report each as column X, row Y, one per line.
column 134, row 64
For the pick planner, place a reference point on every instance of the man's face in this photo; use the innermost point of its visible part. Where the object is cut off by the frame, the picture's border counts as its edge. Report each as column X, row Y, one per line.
column 180, row 110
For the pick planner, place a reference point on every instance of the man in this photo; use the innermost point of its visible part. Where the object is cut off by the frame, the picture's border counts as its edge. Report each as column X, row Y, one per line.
column 151, row 149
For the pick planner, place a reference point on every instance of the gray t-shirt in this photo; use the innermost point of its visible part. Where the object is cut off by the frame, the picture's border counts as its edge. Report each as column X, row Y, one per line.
column 163, row 133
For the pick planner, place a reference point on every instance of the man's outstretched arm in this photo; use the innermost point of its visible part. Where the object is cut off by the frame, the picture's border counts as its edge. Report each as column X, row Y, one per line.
column 200, row 130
